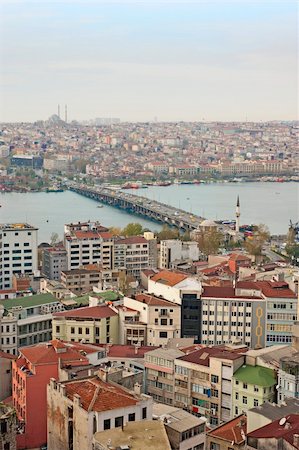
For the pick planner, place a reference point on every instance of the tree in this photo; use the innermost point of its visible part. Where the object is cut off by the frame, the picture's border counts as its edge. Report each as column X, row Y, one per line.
column 292, row 247
column 54, row 239
column 115, row 231
column 132, row 229
column 209, row 241
column 168, row 233
column 254, row 244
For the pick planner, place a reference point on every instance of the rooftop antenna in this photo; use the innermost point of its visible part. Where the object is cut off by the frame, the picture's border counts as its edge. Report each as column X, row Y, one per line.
column 65, row 113
column 59, row 111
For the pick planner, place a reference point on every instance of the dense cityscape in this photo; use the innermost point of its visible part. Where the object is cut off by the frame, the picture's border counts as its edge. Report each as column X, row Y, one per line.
column 149, row 225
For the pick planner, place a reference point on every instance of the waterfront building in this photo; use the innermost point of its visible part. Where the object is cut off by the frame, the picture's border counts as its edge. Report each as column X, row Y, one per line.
column 252, row 386
column 18, row 245
column 79, row 408
column 161, row 317
column 174, row 250
column 88, row 243
column 91, row 324
column 54, row 261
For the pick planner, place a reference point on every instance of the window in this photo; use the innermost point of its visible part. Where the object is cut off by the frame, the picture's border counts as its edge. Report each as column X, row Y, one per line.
column 107, row 424
column 214, row 446
column 87, row 331
column 144, row 413
column 244, row 400
column 214, row 378
column 72, row 330
column 118, row 421
column 255, row 402
column 3, row 427
column 80, row 330
column 6, row 446
column 131, row 417
column 237, row 396
column 244, row 385
column 236, row 410
column 163, row 334
column 256, row 389
column 57, row 329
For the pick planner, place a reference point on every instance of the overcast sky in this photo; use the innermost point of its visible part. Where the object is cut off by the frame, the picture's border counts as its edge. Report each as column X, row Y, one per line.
column 136, row 60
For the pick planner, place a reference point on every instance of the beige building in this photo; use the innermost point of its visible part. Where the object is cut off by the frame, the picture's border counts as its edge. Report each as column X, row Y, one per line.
column 81, row 281
column 148, row 434
column 78, row 409
column 132, row 254
column 162, row 318
column 93, row 324
column 203, row 382
column 160, row 364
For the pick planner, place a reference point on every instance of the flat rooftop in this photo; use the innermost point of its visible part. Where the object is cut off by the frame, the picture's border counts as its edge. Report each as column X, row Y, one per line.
column 29, row 302
column 146, row 434
column 16, row 226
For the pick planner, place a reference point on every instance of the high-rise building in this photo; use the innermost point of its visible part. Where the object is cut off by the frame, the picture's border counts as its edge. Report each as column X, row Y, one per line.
column 18, row 250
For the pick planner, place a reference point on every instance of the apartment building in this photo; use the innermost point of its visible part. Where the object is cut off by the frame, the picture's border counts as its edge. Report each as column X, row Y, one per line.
column 132, row 254
column 18, row 251
column 174, row 250
column 88, row 243
column 79, row 408
column 281, row 304
column 31, row 373
column 5, row 374
column 227, row 316
column 288, row 377
column 228, row 436
column 203, row 382
column 26, row 321
column 253, row 386
column 54, row 261
column 81, row 281
column 183, row 290
column 162, row 318
column 91, row 324
column 160, row 366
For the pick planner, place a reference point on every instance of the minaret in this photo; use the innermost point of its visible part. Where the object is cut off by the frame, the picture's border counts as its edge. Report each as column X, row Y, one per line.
column 65, row 114
column 238, row 216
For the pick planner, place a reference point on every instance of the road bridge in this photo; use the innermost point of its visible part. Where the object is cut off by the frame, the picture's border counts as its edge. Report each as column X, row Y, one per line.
column 142, row 206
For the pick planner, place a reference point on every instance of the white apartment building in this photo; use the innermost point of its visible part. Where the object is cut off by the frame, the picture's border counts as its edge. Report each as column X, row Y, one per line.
column 88, row 243
column 132, row 254
column 18, row 251
column 175, row 250
column 231, row 318
column 89, row 405
column 162, row 318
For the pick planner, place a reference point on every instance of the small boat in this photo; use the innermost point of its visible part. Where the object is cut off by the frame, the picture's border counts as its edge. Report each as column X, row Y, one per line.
column 100, row 206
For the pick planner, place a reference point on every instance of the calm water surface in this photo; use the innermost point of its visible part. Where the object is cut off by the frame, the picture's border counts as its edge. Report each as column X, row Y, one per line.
column 271, row 203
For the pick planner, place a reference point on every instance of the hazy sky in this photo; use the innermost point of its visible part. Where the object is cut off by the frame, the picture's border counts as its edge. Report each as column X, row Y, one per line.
column 174, row 60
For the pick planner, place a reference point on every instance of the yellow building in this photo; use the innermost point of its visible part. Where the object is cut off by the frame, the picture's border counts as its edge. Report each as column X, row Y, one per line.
column 95, row 324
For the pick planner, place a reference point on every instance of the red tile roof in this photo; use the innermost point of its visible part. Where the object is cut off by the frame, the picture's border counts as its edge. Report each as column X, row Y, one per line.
column 224, row 292
column 277, row 431
column 99, row 395
column 168, row 277
column 232, row 430
column 46, row 353
column 275, row 289
column 88, row 312
column 7, row 355
column 238, row 257
column 202, row 356
column 133, row 240
column 128, row 351
column 87, row 234
column 151, row 300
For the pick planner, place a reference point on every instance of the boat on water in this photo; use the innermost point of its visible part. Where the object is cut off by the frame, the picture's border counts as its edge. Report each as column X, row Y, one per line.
column 54, row 189
column 100, row 206
column 163, row 183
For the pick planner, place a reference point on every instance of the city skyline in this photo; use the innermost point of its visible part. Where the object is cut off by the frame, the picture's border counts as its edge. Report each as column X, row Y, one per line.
column 138, row 60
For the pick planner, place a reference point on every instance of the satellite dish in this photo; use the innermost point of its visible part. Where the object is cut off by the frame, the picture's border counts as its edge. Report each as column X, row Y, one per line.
column 282, row 421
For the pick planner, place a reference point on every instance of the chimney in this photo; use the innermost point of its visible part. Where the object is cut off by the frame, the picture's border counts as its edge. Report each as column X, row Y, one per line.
column 137, row 388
